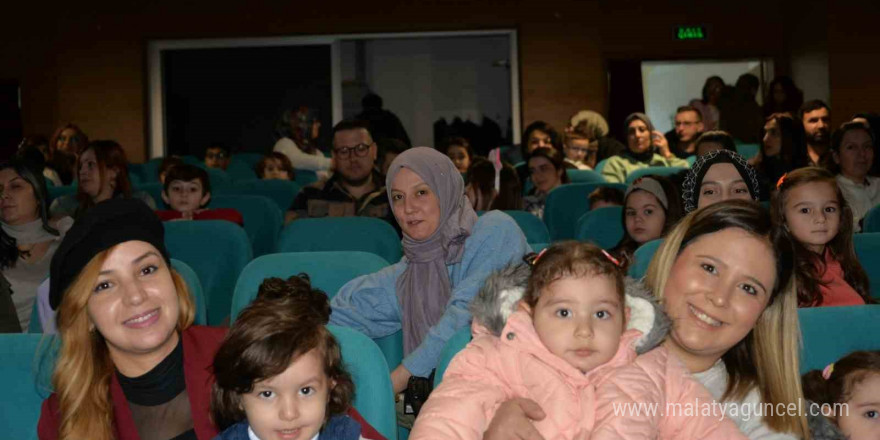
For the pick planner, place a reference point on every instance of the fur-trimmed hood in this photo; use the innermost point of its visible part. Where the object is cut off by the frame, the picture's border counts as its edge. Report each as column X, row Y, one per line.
column 503, row 289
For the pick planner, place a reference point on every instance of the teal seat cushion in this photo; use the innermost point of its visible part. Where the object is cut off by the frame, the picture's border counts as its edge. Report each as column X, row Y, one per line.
column 867, row 246
column 195, row 290
column 456, row 343
column 533, row 228
column 830, row 333
column 25, row 375
column 584, row 176
column 871, row 222
column 566, row 204
column 365, row 234
column 602, row 226
column 282, row 192
column 642, row 258
column 262, row 219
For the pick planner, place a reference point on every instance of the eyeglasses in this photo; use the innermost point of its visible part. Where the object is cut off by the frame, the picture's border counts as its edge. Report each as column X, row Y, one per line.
column 360, row 150
column 219, row 155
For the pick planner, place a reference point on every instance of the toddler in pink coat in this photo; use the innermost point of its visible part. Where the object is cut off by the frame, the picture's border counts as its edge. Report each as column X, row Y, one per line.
column 571, row 334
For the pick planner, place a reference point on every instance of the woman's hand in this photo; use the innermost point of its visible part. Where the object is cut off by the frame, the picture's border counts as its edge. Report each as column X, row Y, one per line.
column 659, row 141
column 513, row 420
column 400, row 378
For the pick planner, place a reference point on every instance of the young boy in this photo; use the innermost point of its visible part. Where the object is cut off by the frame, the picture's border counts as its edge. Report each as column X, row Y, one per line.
column 217, row 156
column 187, row 190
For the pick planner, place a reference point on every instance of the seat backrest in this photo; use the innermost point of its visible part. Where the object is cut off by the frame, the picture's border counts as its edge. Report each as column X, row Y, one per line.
column 240, row 171
column 642, row 258
column 374, row 398
column 154, row 189
column 327, row 271
column 25, row 376
column 456, row 343
column 365, row 234
column 867, row 246
column 305, row 177
column 830, row 333
column 217, row 250
column 601, row 165
column 871, row 222
column 656, row 171
column 195, row 289
column 566, row 204
column 282, row 192
column 248, row 159
column 584, row 176
column 262, row 219
column 748, row 151
column 602, row 226
column 220, row 180
column 534, row 229
column 55, row 192
column 538, row 247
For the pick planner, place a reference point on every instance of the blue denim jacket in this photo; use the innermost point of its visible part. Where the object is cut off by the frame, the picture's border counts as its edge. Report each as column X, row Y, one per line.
column 369, row 303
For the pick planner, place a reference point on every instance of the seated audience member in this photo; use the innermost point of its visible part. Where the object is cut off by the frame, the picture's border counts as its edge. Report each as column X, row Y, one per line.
column 295, row 132
column 717, row 176
column 166, row 164
column 28, row 238
column 713, row 141
column 356, row 189
column 605, row 196
column 509, row 197
column 783, row 140
column 460, row 152
column 742, row 117
column 103, row 175
column 538, row 134
column 382, row 123
column 594, row 127
column 580, row 152
column 67, row 142
column 852, row 148
column 187, row 190
column 388, row 151
column 783, row 97
column 218, row 155
column 33, row 146
column 481, row 191
column 646, row 147
column 816, row 221
column 279, row 350
column 130, row 362
column 709, row 103
column 582, row 340
column 733, row 307
column 688, row 127
column 815, row 116
column 872, row 121
column 651, row 208
column 449, row 253
column 846, row 393
column 547, row 171
column 275, row 166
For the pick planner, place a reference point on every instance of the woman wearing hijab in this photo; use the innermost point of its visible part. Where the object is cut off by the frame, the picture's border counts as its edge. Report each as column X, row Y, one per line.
column 448, row 253
column 646, row 147
column 717, row 176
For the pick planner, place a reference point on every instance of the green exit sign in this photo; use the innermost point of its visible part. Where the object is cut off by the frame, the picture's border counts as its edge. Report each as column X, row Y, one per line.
column 691, row 33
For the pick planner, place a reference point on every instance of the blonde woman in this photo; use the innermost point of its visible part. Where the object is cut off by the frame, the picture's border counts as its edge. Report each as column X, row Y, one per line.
column 130, row 364
column 732, row 301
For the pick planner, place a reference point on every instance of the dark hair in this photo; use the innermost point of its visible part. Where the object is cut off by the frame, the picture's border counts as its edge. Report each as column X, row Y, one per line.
column 555, row 139
column 845, row 375
column 607, row 194
column 481, row 176
column 706, row 87
column 221, row 146
column 186, row 173
column 716, row 136
column 371, row 100
column 30, row 173
column 80, row 139
column 554, row 156
column 673, row 212
column 352, row 124
column 812, row 105
column 299, row 132
column 457, row 141
column 810, row 266
column 571, row 259
column 168, row 163
column 109, row 155
column 794, row 97
column 747, row 80
column 837, row 136
column 509, row 197
column 793, row 150
column 690, row 108
column 284, row 322
column 286, row 165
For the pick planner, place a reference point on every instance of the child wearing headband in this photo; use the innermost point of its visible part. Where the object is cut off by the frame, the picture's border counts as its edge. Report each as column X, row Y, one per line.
column 651, row 207
column 571, row 335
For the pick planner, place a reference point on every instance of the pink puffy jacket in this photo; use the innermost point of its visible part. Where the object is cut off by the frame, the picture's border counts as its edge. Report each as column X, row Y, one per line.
column 492, row 369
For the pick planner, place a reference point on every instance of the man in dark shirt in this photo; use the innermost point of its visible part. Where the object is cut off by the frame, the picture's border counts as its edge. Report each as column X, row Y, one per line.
column 356, row 188
column 688, row 127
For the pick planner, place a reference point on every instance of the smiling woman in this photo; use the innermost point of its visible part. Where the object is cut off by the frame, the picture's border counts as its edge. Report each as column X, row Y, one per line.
column 130, row 362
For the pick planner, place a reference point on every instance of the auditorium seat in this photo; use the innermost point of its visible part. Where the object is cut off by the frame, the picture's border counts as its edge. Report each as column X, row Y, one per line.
column 365, row 234
column 533, row 228
column 282, row 192
column 566, row 204
column 642, row 258
column 456, row 343
column 603, row 226
column 262, row 219
column 830, row 333
column 867, row 246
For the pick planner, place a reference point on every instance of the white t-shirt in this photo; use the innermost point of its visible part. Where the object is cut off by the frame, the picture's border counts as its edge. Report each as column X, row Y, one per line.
column 860, row 197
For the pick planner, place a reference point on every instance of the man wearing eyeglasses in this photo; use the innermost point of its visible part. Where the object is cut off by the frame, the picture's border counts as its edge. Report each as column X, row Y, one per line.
column 688, row 127
column 356, row 188
column 217, row 156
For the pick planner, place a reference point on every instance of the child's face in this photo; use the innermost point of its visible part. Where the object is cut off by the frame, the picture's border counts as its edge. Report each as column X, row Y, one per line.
column 216, row 158
column 812, row 214
column 644, row 216
column 459, row 157
column 580, row 320
column 862, row 421
column 291, row 405
column 274, row 170
column 186, row 196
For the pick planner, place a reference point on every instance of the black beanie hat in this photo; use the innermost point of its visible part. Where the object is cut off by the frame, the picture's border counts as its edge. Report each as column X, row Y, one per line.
column 105, row 225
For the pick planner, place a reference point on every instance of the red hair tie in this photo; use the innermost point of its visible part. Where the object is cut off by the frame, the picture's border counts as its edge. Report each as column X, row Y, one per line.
column 781, row 180
column 612, row 259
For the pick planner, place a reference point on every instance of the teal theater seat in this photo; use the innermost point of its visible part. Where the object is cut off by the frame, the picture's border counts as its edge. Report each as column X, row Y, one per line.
column 456, row 343
column 217, row 250
column 155, row 190
column 262, row 219
column 642, row 258
column 248, row 159
column 195, row 290
column 566, row 204
column 282, row 192
column 25, row 375
column 584, row 176
column 656, row 171
column 538, row 247
column 830, row 333
column 240, row 171
column 533, row 228
column 55, row 192
column 871, row 222
column 748, row 151
column 305, row 177
column 603, row 226
column 600, row 166
column 365, row 234
column 867, row 246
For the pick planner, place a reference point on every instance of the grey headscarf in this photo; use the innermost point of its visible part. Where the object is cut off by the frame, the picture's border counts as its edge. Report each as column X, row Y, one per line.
column 423, row 288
